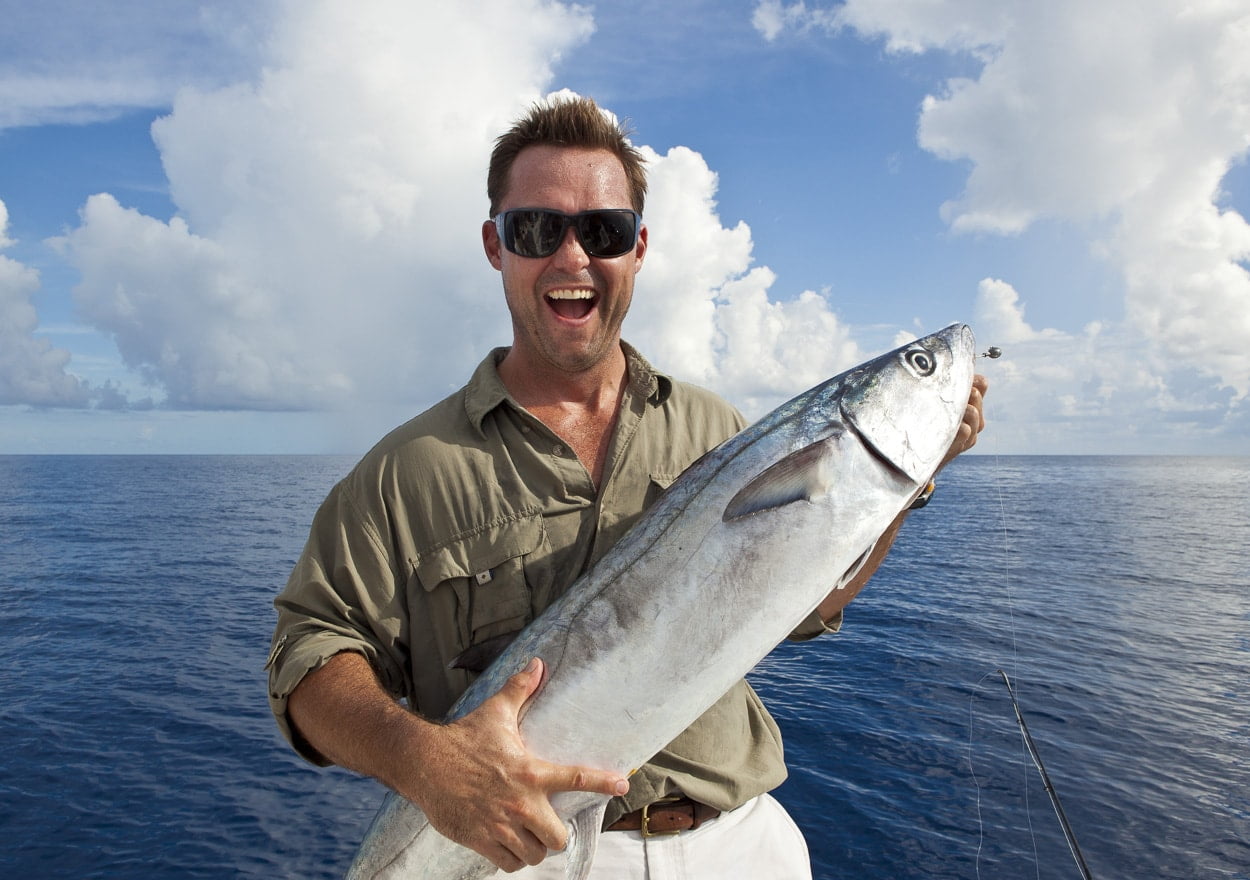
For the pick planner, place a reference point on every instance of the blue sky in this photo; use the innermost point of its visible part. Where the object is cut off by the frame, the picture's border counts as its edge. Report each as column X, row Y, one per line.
column 253, row 226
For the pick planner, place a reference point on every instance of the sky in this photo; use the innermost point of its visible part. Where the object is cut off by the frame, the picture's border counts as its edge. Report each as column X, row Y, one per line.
column 253, row 226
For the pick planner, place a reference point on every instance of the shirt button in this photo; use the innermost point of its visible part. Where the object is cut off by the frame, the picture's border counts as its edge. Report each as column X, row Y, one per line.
column 557, row 449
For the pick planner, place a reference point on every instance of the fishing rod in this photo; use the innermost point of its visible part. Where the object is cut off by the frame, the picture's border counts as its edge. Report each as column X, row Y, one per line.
column 1050, row 789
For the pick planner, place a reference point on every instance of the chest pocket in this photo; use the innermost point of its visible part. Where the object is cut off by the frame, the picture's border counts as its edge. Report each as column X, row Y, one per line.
column 492, row 571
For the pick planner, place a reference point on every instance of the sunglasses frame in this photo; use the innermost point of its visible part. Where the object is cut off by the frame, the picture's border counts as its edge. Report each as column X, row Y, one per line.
column 566, row 220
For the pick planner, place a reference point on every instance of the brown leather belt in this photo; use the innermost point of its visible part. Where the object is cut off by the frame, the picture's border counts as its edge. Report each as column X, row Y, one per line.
column 668, row 815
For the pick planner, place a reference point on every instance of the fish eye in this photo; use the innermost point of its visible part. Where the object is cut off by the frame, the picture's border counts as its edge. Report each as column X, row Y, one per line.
column 921, row 361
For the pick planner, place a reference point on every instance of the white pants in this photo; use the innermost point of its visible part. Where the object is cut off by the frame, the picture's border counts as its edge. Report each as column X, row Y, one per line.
column 757, row 841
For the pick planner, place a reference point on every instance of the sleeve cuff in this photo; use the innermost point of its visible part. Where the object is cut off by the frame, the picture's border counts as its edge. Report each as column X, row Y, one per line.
column 814, row 626
column 291, row 659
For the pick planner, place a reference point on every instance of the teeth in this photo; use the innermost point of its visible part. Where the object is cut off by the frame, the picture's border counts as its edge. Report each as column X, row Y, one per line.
column 571, row 294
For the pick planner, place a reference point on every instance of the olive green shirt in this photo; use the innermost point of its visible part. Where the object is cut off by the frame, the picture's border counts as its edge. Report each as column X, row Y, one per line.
column 466, row 522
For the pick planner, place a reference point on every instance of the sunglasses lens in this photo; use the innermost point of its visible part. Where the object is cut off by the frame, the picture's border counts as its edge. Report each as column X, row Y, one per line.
column 537, row 233
column 607, row 233
column 533, row 233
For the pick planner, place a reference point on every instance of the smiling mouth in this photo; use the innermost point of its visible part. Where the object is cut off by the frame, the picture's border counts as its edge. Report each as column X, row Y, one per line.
column 573, row 304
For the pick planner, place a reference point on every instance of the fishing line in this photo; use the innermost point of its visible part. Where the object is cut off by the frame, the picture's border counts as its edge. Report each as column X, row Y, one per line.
column 995, row 352
column 1027, row 740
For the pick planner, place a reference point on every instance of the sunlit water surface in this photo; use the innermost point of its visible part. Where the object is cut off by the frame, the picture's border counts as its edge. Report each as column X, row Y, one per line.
column 135, row 610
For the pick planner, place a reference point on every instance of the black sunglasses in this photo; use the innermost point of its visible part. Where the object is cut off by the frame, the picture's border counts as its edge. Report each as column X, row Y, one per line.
column 537, row 232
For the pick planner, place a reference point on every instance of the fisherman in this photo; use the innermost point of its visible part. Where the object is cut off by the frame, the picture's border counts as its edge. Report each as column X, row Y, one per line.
column 463, row 524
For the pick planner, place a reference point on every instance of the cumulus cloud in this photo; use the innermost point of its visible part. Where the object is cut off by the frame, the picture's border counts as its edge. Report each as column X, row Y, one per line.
column 1063, row 392
column 1000, row 314
column 1127, row 114
column 32, row 371
column 326, row 247
column 326, row 251
column 706, row 315
column 1120, row 117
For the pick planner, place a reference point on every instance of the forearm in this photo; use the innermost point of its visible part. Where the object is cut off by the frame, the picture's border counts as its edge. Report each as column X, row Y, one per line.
column 344, row 713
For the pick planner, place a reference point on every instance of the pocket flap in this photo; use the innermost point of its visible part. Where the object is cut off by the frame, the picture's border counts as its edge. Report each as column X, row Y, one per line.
column 479, row 550
column 663, row 481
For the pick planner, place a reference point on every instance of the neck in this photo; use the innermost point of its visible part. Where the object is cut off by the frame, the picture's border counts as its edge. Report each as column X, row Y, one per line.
column 581, row 408
column 539, row 385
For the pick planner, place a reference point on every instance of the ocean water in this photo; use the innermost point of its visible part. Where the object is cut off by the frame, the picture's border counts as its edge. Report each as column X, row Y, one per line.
column 1115, row 592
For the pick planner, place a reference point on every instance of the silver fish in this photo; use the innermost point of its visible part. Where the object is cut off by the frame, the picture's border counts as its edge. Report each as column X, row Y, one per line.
column 738, row 551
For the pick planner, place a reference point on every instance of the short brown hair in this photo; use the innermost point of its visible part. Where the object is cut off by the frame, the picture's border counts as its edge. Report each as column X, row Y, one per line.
column 565, row 122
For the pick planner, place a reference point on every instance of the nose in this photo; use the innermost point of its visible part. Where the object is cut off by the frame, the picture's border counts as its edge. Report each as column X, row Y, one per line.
column 571, row 254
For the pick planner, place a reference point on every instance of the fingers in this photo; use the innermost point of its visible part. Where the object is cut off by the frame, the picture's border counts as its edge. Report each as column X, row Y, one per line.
column 502, row 807
column 521, row 686
column 512, row 850
column 972, row 423
column 551, row 778
column 569, row 778
column 976, row 400
column 974, row 413
column 558, row 777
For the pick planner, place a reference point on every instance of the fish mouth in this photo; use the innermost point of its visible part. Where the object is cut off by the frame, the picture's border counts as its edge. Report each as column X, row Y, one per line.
column 572, row 303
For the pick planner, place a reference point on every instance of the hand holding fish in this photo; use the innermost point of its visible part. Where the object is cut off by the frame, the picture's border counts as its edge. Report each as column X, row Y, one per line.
column 474, row 778
column 973, row 421
column 482, row 788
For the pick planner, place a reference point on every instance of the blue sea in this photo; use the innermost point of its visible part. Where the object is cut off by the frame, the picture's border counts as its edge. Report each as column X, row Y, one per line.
column 1115, row 592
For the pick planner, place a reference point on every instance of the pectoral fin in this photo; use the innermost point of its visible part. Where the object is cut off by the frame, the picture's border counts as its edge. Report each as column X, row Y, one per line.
column 855, row 567
column 583, row 841
column 800, row 476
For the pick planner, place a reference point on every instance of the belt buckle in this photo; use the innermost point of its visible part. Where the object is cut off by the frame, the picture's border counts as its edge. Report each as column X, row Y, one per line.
column 646, row 817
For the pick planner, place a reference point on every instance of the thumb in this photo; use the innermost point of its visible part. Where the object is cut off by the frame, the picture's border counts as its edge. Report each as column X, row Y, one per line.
column 521, row 686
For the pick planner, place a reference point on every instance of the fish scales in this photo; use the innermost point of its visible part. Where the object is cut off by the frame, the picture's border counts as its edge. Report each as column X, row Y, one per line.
column 738, row 552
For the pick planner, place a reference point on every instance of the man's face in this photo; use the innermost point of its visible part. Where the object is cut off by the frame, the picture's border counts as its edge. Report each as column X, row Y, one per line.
column 567, row 308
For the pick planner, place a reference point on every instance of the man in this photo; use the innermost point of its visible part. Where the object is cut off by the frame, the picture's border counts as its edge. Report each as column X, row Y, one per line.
column 464, row 523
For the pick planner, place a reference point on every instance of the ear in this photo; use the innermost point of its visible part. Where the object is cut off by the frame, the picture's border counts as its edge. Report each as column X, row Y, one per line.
column 640, row 249
column 492, row 244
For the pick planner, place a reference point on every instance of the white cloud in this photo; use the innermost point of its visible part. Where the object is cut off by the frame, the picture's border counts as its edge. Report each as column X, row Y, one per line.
column 772, row 17
column 183, row 314
column 703, row 314
column 1120, row 117
column 1128, row 114
column 1058, row 392
column 327, row 246
column 5, row 241
column 327, row 251
column 1000, row 315
column 31, row 370
column 976, row 26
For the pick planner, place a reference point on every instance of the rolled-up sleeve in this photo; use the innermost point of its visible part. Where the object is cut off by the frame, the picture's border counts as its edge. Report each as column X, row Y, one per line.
column 345, row 594
column 814, row 626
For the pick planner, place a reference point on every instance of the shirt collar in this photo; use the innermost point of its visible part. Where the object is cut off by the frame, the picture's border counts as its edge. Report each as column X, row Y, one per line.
column 486, row 390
